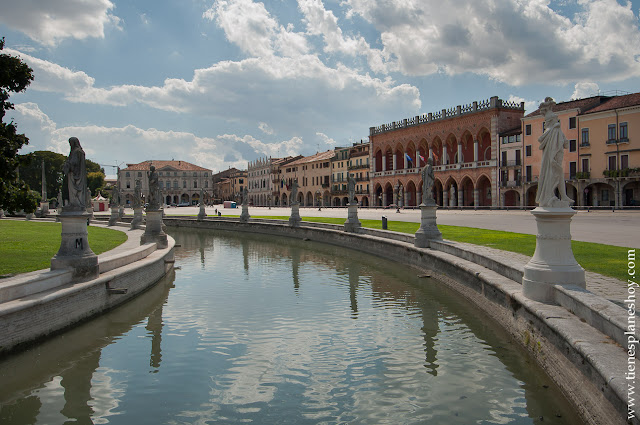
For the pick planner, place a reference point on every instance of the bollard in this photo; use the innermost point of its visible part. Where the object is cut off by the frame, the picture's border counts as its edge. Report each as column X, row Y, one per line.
column 219, row 214
column 384, row 222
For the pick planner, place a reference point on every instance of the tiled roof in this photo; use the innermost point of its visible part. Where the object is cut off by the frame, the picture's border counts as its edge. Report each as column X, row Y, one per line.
column 320, row 156
column 582, row 105
column 161, row 165
column 617, row 102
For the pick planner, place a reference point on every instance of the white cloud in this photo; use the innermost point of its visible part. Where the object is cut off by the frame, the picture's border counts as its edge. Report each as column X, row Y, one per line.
column 107, row 145
column 301, row 92
column 513, row 41
column 265, row 128
column 326, row 139
column 529, row 105
column 252, row 28
column 585, row 89
column 50, row 21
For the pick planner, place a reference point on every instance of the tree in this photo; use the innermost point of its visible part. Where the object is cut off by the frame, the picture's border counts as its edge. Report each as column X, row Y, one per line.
column 15, row 194
column 95, row 181
column 31, row 172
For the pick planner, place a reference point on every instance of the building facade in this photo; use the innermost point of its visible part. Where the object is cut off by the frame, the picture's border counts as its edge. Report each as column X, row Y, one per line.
column 180, row 182
column 463, row 143
column 313, row 174
column 359, row 167
column 263, row 179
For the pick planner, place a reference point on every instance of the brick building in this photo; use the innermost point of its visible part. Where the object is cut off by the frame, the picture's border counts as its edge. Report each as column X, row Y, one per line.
column 463, row 142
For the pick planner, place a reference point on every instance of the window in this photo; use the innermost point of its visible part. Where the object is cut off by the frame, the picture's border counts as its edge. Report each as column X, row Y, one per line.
column 175, row 173
column 585, row 165
column 573, row 168
column 544, row 126
column 584, row 141
column 128, row 184
column 611, row 133
column 572, row 145
column 175, row 184
column 184, row 184
column 160, row 184
column 195, row 184
column 160, row 173
column 527, row 150
column 605, row 194
column 527, row 172
column 504, row 159
column 572, row 122
column 139, row 174
column 624, row 134
column 527, row 130
column 241, row 181
column 624, row 161
column 195, row 174
column 127, row 174
column 168, row 184
column 206, row 183
column 517, row 156
column 612, row 163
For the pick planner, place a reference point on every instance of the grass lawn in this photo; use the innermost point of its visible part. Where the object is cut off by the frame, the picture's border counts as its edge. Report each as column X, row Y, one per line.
column 607, row 260
column 27, row 246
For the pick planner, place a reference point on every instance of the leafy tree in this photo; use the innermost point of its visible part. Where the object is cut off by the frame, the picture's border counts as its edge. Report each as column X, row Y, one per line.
column 31, row 173
column 95, row 181
column 15, row 194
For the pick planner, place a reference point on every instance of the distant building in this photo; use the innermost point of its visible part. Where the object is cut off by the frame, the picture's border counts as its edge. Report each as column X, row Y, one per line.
column 180, row 181
column 359, row 167
column 263, row 177
column 313, row 174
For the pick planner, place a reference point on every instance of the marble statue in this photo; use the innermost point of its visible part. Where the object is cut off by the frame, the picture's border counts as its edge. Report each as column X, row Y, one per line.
column 76, row 171
column 89, row 203
column 154, row 189
column 428, row 180
column 552, row 143
column 115, row 196
column 59, row 200
column 245, row 196
column 137, row 195
column 351, row 188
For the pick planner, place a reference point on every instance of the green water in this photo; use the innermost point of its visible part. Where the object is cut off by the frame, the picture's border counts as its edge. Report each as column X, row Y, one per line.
column 268, row 330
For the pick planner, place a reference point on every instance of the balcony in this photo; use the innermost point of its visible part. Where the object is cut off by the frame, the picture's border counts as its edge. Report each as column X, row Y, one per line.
column 511, row 183
column 511, row 163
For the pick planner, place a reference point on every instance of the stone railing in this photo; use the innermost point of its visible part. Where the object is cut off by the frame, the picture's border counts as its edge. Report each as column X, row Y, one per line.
column 457, row 111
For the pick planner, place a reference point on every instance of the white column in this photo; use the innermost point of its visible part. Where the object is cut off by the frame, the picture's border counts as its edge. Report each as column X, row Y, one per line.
column 417, row 165
column 406, row 161
column 393, row 166
column 444, row 154
column 384, row 163
column 459, row 153
column 475, row 150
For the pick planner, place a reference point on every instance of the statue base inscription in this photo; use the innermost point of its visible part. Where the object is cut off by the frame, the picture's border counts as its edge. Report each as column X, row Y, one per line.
column 428, row 229
column 154, row 231
column 352, row 224
column 295, row 219
column 74, row 249
column 553, row 262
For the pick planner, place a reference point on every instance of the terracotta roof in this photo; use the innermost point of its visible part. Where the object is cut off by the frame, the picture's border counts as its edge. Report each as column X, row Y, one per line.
column 583, row 105
column 161, row 165
column 320, row 156
column 617, row 102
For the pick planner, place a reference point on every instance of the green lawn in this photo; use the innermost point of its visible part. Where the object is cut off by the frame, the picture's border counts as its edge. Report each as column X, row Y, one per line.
column 27, row 246
column 607, row 260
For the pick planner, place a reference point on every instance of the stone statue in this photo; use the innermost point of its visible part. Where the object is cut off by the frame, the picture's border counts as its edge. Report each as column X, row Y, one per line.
column 351, row 188
column 59, row 200
column 137, row 195
column 201, row 196
column 89, row 203
column 245, row 196
column 428, row 180
column 294, row 193
column 154, row 189
column 76, row 171
column 552, row 143
column 115, row 196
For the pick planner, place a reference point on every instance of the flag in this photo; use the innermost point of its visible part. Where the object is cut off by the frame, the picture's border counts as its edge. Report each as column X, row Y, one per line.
column 422, row 158
column 408, row 157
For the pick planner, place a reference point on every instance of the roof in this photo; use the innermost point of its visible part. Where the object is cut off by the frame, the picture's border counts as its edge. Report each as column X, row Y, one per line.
column 583, row 105
column 320, row 156
column 512, row 131
column 161, row 165
column 617, row 102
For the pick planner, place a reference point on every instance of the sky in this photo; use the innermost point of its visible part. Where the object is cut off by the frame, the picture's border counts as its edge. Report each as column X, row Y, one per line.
column 222, row 82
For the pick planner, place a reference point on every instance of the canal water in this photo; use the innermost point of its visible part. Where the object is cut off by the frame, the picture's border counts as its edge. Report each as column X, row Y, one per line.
column 269, row 330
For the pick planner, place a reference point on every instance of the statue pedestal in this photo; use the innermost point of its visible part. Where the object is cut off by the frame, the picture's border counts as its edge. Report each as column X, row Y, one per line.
column 295, row 219
column 428, row 229
column 244, row 216
column 121, row 212
column 137, row 218
column 44, row 209
column 115, row 216
column 352, row 224
column 553, row 262
column 201, row 213
column 154, row 231
column 74, row 249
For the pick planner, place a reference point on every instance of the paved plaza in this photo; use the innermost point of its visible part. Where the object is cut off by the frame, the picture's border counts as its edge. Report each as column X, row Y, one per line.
column 621, row 228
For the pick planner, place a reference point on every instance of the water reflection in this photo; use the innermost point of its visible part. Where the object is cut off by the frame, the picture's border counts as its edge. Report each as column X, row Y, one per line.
column 270, row 330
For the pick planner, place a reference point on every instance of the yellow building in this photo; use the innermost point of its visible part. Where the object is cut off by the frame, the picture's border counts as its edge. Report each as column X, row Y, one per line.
column 313, row 174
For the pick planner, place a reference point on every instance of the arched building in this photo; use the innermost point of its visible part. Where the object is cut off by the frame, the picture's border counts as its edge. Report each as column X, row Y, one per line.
column 463, row 142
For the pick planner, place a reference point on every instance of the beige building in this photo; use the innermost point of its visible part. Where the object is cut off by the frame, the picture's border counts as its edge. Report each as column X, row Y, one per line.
column 358, row 166
column 263, row 178
column 339, row 173
column 313, row 174
column 180, row 182
column 602, row 163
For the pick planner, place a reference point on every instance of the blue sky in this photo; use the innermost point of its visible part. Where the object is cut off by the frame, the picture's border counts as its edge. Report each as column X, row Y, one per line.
column 222, row 82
